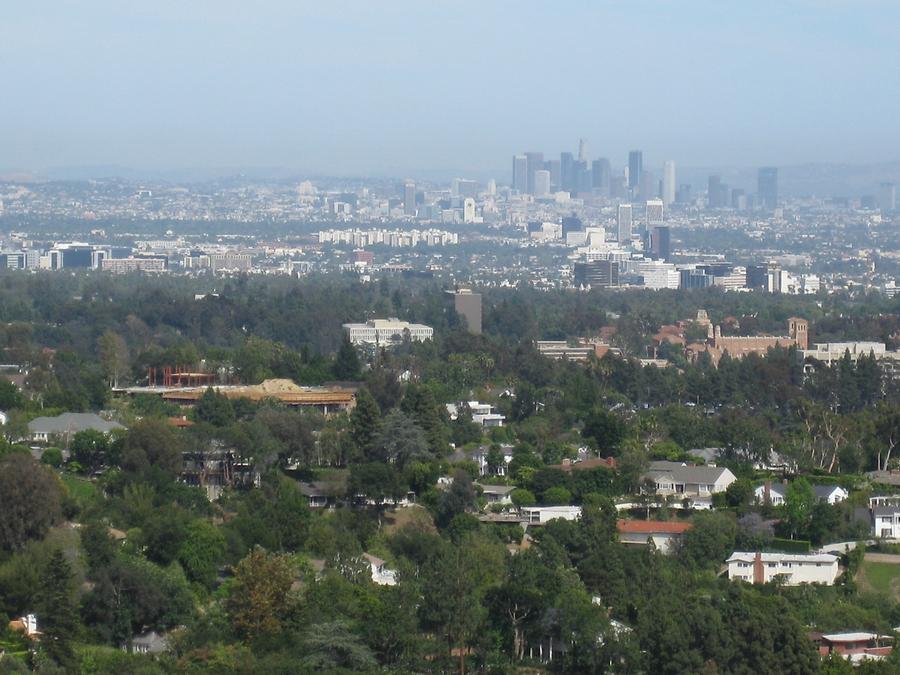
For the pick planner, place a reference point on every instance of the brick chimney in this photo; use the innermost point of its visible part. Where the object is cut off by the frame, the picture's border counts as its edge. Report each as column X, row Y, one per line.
column 758, row 574
column 767, row 493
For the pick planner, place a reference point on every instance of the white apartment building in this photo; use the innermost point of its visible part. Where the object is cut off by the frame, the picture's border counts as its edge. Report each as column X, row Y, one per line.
column 386, row 332
column 793, row 568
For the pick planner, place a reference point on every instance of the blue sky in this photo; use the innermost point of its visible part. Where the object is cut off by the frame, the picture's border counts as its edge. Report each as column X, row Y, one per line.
column 397, row 87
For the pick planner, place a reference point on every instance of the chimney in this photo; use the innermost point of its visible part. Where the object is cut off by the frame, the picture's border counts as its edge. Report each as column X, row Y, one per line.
column 767, row 493
column 759, row 576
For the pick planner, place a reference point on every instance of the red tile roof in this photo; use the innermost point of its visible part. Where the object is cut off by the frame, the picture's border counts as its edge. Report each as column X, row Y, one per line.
column 652, row 527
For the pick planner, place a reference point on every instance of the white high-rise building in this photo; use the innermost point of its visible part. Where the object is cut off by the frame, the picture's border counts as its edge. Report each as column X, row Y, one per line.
column 469, row 210
column 541, row 183
column 668, row 183
column 623, row 224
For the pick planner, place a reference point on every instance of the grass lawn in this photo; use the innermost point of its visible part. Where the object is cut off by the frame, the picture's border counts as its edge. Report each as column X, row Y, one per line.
column 83, row 490
column 881, row 578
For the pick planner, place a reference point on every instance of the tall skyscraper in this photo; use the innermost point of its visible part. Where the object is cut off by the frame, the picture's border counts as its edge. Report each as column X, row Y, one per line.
column 597, row 273
column 468, row 306
column 668, row 182
column 582, row 150
column 600, row 174
column 661, row 243
column 582, row 172
column 624, row 222
column 887, row 197
column 648, row 187
column 716, row 193
column 409, row 198
column 566, row 171
column 520, row 174
column 535, row 163
column 767, row 187
column 553, row 166
column 541, row 183
column 653, row 210
column 635, row 168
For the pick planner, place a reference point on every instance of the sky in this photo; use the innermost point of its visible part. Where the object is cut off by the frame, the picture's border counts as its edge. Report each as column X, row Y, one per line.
column 398, row 87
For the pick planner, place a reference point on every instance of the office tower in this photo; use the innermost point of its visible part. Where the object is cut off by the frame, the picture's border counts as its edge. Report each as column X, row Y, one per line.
column 468, row 210
column 635, row 168
column 654, row 211
column 566, row 171
column 887, row 197
column 582, row 176
column 668, row 182
column 757, row 276
column 716, row 193
column 571, row 224
column 460, row 187
column 617, row 187
column 661, row 243
column 684, row 196
column 600, row 174
column 647, row 186
column 492, row 187
column 767, row 187
column 597, row 273
column 409, row 198
column 541, row 183
column 582, row 150
column 535, row 163
column 520, row 174
column 738, row 199
column 468, row 306
column 553, row 166
column 623, row 224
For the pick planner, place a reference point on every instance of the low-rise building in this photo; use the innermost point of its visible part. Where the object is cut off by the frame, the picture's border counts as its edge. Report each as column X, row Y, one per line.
column 680, row 479
column 664, row 534
column 793, row 569
column 856, row 647
column 538, row 515
column 43, row 429
column 386, row 332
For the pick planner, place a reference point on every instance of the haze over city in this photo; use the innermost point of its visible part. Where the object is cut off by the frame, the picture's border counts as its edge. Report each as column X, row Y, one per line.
column 354, row 88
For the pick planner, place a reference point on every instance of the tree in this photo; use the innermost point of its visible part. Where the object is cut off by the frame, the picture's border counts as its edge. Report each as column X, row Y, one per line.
column 605, row 429
column 201, row 552
column 399, row 441
column 89, row 448
column 522, row 497
column 557, row 495
column 30, row 501
column 152, row 443
column 376, row 481
column 798, row 504
column 709, row 541
column 113, row 352
column 365, row 421
column 57, row 611
column 9, row 395
column 259, row 597
column 457, row 499
column 346, row 362
column 332, row 646
column 214, row 408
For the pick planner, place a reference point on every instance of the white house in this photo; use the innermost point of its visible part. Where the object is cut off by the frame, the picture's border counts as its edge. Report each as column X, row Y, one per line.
column 678, row 478
column 831, row 493
column 886, row 521
column 793, row 568
column 538, row 515
column 388, row 332
column 483, row 414
column 772, row 493
column 381, row 573
column 664, row 534
column 497, row 494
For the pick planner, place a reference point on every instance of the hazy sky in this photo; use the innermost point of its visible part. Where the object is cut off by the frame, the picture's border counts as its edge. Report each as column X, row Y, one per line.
column 395, row 87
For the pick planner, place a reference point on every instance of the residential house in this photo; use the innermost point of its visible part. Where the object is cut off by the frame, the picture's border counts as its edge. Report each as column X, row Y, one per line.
column 830, row 493
column 150, row 642
column 319, row 495
column 65, row 426
column 538, row 515
column 856, row 646
column 569, row 465
column 793, row 569
column 886, row 521
column 497, row 494
column 681, row 479
column 480, row 457
column 665, row 534
column 483, row 414
column 770, row 493
column 381, row 573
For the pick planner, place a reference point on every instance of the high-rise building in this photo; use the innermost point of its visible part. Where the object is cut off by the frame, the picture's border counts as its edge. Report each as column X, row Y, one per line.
column 566, row 171
column 468, row 210
column 661, row 243
column 571, row 224
column 716, row 193
column 582, row 176
column 668, row 182
column 409, row 198
column 887, row 197
column 617, row 187
column 597, row 273
column 654, row 212
column 467, row 305
column 582, row 150
column 600, row 174
column 553, row 166
column 767, row 187
column 635, row 168
column 624, row 221
column 535, row 163
column 647, row 189
column 541, row 183
column 520, row 174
